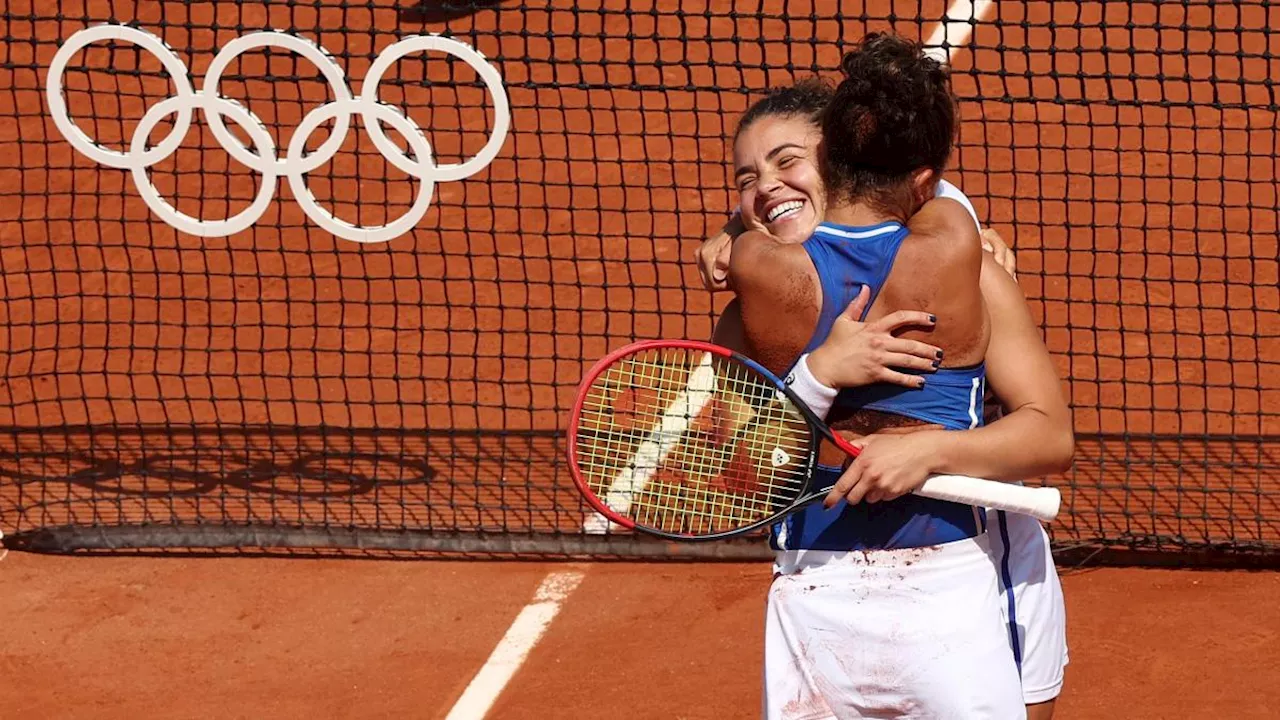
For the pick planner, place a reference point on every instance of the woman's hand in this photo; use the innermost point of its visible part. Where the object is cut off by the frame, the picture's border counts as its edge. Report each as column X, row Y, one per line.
column 888, row 467
column 713, row 255
column 857, row 353
column 1000, row 251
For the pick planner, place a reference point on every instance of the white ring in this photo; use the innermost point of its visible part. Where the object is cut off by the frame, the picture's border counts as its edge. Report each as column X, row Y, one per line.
column 79, row 140
column 469, row 55
column 327, row 220
column 309, row 50
column 296, row 163
column 178, row 219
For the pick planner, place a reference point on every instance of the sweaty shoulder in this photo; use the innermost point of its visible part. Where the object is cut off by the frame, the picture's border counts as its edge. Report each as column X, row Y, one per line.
column 946, row 218
column 778, row 297
column 937, row 270
column 751, row 250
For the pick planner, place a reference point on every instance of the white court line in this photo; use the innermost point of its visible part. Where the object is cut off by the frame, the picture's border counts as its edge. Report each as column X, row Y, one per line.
column 514, row 647
column 649, row 455
column 956, row 27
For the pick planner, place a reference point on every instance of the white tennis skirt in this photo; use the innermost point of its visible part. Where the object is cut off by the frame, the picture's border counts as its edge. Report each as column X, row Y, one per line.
column 915, row 633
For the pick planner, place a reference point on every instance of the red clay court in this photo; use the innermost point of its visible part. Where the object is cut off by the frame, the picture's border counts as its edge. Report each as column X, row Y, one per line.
column 300, row 475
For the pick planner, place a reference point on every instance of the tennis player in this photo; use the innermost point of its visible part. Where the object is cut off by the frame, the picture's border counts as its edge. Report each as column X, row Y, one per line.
column 875, row 191
column 1034, row 436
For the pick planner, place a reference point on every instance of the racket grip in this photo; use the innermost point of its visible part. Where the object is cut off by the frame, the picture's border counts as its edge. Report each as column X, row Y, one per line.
column 1038, row 502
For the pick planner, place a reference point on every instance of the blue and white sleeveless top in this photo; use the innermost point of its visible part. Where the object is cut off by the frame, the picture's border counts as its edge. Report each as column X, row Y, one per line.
column 847, row 258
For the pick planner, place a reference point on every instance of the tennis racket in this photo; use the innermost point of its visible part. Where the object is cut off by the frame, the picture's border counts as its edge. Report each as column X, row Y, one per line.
column 688, row 440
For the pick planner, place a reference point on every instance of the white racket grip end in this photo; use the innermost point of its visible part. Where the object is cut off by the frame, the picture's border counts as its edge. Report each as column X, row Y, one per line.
column 1042, row 503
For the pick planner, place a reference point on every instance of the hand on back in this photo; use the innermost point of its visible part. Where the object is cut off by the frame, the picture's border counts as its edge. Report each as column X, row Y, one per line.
column 857, row 353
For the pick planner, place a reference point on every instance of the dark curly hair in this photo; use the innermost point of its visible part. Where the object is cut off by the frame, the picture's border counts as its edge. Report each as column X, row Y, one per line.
column 807, row 98
column 893, row 114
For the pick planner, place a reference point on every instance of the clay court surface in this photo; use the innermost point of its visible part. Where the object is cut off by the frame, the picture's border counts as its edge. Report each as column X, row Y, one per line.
column 289, row 638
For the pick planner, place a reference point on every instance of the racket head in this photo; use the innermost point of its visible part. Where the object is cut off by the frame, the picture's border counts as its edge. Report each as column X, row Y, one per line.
column 689, row 440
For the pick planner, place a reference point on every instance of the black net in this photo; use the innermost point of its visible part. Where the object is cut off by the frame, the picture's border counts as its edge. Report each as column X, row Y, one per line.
column 281, row 383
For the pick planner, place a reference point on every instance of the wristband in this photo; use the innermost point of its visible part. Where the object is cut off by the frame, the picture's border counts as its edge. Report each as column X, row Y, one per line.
column 817, row 396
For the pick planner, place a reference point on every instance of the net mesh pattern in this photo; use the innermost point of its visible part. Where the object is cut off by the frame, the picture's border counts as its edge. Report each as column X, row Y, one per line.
column 419, row 389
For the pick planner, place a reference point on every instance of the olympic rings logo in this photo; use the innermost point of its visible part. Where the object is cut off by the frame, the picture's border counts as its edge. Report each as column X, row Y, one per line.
column 262, row 158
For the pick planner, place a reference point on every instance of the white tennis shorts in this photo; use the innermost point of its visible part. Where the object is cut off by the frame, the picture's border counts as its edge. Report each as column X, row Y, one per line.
column 1036, row 619
column 914, row 633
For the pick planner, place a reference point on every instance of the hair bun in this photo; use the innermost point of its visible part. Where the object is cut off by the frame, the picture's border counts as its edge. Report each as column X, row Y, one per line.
column 891, row 115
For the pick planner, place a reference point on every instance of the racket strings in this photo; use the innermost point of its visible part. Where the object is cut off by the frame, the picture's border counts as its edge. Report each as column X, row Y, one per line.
column 684, row 442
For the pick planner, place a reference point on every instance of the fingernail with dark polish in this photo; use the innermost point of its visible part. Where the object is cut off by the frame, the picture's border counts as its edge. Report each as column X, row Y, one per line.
column 939, row 354
column 936, row 364
column 933, row 318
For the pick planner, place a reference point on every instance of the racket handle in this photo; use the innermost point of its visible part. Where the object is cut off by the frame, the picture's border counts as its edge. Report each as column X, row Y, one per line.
column 1038, row 502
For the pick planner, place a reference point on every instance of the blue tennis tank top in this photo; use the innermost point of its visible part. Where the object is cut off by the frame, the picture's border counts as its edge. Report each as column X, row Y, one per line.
column 847, row 258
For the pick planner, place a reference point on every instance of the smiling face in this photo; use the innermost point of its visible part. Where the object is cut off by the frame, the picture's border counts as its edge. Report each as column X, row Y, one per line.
column 776, row 169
